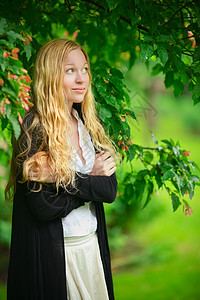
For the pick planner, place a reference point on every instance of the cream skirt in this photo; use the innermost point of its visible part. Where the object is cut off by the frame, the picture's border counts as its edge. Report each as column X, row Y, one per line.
column 84, row 269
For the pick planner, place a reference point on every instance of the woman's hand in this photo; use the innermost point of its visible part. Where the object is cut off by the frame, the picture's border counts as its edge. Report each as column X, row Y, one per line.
column 104, row 165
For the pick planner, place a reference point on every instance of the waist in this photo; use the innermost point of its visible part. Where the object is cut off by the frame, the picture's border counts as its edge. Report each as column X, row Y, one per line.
column 78, row 240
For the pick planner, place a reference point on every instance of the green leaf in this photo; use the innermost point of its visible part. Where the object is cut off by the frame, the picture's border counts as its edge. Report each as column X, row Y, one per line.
column 178, row 88
column 183, row 190
column 148, row 156
column 28, row 50
column 130, row 113
column 104, row 113
column 175, row 201
column 139, row 185
column 165, row 167
column 111, row 4
column 15, row 86
column 194, row 178
column 156, row 69
column 2, row 26
column 154, row 138
column 191, row 186
column 131, row 153
column 176, row 150
column 197, row 68
column 146, row 51
column 9, row 91
column 13, row 36
column 196, row 100
column 165, row 38
column 149, row 192
column 180, row 181
column 101, row 88
column 168, row 174
column 163, row 55
column 117, row 73
column 196, row 91
column 169, row 79
column 167, row 142
column 179, row 64
column 4, row 123
column 8, row 111
column 158, row 180
column 16, row 126
column 111, row 100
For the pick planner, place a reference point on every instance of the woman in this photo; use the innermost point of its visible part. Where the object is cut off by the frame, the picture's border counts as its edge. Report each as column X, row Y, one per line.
column 62, row 171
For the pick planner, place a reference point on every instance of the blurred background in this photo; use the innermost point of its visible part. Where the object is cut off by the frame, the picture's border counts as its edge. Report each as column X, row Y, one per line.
column 157, row 255
column 155, row 252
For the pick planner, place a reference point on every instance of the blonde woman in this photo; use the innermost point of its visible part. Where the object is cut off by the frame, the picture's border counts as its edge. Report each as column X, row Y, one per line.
column 62, row 171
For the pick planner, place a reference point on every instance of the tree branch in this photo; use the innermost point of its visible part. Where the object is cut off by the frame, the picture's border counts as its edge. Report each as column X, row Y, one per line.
column 121, row 17
column 176, row 12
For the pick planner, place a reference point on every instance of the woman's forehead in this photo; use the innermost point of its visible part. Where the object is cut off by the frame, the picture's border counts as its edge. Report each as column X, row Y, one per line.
column 75, row 57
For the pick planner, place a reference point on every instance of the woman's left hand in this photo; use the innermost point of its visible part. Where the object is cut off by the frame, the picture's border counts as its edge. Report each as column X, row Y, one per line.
column 104, row 164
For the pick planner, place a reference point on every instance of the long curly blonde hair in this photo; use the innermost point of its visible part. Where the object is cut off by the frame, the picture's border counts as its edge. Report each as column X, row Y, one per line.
column 51, row 120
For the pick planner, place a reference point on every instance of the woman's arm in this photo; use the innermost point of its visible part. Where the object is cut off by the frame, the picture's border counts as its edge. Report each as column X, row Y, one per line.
column 101, row 184
column 49, row 204
column 96, row 187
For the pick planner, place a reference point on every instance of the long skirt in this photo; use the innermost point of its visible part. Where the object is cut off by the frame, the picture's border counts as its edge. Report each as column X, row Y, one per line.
column 84, row 269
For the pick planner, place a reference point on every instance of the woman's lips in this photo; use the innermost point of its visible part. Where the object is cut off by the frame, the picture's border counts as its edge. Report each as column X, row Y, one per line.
column 79, row 90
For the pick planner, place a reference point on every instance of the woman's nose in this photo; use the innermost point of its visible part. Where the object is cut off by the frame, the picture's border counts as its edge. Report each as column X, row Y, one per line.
column 79, row 77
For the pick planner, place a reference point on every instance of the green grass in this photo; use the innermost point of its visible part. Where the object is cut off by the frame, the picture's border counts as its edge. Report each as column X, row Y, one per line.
column 162, row 255
column 2, row 291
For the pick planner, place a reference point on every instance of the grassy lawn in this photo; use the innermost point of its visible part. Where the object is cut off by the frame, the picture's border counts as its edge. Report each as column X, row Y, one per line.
column 2, row 292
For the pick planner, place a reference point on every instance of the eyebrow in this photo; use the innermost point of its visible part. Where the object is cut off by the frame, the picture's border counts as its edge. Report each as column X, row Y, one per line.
column 74, row 64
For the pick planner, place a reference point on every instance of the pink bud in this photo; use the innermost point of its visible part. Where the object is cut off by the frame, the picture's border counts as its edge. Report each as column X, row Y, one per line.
column 29, row 37
column 186, row 153
column 15, row 50
column 20, row 119
column 13, row 76
column 120, row 142
column 5, row 55
column 75, row 34
column 1, row 82
column 14, row 53
column 28, row 79
column 3, row 111
column 123, row 119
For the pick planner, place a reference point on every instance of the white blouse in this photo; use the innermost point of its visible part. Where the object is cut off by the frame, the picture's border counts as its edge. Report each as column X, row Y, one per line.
column 81, row 221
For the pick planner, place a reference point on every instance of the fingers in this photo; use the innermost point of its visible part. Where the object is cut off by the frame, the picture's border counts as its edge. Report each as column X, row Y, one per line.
column 104, row 164
column 98, row 155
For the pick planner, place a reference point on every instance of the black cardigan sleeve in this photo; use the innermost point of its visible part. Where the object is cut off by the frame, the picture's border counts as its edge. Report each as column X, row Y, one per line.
column 97, row 188
column 49, row 204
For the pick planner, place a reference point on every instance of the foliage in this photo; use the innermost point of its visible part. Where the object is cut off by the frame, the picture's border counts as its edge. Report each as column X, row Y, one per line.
column 115, row 33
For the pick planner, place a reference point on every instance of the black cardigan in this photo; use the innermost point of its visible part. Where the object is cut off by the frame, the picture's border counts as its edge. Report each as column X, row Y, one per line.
column 37, row 262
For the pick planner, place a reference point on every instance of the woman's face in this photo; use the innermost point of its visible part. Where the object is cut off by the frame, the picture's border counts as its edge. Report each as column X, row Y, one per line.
column 76, row 78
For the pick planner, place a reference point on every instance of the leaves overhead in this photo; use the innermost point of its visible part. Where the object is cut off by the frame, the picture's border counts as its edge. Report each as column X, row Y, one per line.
column 110, row 30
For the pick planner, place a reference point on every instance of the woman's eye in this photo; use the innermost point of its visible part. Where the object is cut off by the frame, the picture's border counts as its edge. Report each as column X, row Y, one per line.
column 85, row 70
column 70, row 70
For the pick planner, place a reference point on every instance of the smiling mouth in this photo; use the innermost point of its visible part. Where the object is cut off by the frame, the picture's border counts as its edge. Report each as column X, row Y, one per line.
column 79, row 89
